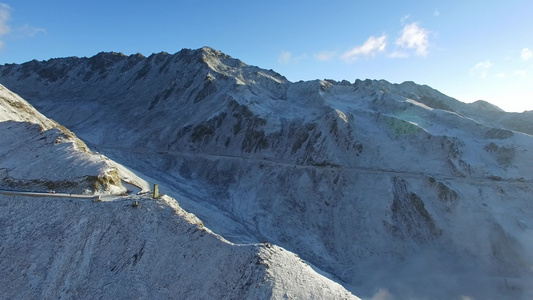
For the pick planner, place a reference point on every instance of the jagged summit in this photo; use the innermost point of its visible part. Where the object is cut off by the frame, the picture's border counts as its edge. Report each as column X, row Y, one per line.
column 205, row 62
column 104, row 63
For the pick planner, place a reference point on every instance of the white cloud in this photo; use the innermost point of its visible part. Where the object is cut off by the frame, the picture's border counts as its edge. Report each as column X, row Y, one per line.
column 372, row 46
column 5, row 13
column 481, row 69
column 20, row 31
column 414, row 37
column 398, row 54
column 28, row 31
column 284, row 57
column 501, row 75
column 325, row 56
column 526, row 54
column 436, row 13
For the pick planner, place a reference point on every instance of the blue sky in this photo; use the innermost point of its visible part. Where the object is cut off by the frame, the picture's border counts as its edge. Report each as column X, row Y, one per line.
column 469, row 50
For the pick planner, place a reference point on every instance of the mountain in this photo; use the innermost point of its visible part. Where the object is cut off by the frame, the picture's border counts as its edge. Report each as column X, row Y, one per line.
column 122, row 247
column 393, row 189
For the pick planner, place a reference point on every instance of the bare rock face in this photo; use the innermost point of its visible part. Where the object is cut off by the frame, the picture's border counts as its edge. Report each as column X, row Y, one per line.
column 410, row 219
column 391, row 188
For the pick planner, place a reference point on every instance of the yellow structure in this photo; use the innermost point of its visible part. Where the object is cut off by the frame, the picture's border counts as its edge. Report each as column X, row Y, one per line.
column 156, row 191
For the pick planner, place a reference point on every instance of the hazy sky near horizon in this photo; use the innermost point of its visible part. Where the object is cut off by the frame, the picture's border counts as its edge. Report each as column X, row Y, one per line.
column 469, row 50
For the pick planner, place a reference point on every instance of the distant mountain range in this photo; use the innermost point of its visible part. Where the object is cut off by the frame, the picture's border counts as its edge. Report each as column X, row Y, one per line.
column 395, row 190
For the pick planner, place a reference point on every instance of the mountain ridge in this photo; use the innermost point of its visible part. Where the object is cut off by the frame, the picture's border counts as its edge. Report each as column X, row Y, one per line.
column 55, row 70
column 351, row 177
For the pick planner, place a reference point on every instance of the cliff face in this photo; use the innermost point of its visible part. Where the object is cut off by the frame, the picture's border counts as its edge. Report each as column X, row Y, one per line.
column 379, row 184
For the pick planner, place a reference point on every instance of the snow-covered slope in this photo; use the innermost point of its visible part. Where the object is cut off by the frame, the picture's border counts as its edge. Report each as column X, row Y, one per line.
column 37, row 154
column 113, row 250
column 395, row 189
column 73, row 248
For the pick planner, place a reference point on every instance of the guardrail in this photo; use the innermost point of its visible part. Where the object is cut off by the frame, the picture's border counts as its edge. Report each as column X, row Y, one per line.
column 58, row 195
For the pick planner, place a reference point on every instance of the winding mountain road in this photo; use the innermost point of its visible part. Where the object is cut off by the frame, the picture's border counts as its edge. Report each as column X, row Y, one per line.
column 479, row 180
